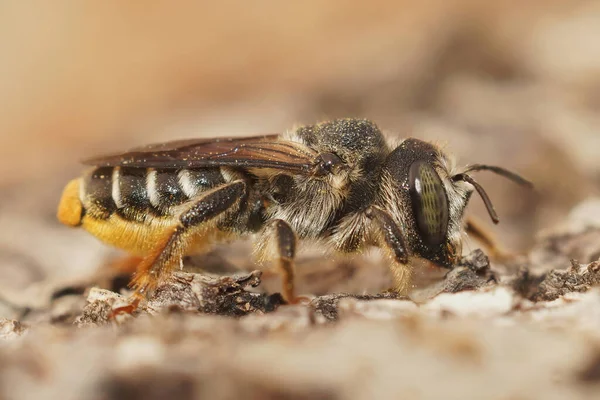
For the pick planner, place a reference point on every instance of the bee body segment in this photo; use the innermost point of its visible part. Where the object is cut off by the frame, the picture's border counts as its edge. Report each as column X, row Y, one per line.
column 70, row 209
column 130, row 207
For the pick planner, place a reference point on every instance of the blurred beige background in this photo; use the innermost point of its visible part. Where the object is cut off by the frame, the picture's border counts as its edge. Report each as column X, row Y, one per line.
column 510, row 83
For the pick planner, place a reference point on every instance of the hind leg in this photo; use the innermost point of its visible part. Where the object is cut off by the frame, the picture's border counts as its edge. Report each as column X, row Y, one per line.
column 198, row 219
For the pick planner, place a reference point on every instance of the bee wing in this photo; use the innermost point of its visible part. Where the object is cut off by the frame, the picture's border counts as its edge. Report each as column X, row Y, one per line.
column 268, row 151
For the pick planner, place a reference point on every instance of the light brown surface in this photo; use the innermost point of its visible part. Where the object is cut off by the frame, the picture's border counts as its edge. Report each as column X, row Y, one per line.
column 508, row 83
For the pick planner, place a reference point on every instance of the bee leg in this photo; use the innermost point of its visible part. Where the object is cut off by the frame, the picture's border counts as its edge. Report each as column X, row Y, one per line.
column 283, row 245
column 391, row 238
column 477, row 231
column 156, row 267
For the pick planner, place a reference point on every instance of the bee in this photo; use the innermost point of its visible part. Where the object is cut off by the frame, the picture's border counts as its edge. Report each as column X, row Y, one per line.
column 338, row 182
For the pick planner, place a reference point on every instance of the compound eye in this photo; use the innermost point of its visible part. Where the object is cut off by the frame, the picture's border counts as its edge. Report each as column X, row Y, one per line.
column 429, row 203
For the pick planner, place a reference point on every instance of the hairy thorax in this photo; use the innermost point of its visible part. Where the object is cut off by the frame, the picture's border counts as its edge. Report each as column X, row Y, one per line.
column 308, row 205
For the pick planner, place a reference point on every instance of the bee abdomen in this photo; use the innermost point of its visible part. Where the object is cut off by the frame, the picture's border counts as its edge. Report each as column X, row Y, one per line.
column 133, row 193
column 70, row 210
column 164, row 190
column 130, row 193
column 97, row 191
column 195, row 181
column 169, row 188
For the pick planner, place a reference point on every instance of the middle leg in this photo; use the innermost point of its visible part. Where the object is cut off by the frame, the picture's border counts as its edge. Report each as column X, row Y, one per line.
column 279, row 241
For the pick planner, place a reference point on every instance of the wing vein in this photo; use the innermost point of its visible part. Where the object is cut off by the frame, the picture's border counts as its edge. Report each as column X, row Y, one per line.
column 244, row 152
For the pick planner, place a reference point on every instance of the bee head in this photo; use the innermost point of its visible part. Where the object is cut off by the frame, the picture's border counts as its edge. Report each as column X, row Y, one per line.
column 430, row 201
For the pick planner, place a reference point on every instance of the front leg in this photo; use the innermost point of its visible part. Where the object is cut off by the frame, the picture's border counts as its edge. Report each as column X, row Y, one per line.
column 391, row 238
column 476, row 230
column 279, row 241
